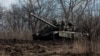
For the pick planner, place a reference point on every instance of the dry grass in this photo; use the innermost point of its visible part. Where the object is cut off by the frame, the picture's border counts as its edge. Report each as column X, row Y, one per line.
column 22, row 35
column 42, row 48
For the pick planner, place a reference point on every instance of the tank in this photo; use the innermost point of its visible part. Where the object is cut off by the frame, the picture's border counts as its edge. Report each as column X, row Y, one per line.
column 56, row 31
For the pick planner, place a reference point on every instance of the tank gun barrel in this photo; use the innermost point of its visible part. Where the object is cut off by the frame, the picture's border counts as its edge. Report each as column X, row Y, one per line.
column 43, row 20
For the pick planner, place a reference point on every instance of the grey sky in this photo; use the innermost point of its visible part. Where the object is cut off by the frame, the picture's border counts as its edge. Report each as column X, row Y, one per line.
column 7, row 3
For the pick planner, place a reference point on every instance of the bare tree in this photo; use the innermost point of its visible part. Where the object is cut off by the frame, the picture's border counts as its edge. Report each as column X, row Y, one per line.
column 40, row 8
column 1, row 11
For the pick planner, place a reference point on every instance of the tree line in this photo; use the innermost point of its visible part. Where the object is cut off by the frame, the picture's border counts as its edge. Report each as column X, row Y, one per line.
column 84, row 14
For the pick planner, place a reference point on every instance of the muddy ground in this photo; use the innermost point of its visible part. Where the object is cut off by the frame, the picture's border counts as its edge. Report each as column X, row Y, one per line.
column 46, row 48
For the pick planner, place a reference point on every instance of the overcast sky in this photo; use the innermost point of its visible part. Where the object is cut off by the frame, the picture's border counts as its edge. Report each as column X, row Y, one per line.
column 7, row 3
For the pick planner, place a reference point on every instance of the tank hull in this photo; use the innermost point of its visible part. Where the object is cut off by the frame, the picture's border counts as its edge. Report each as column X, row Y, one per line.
column 57, row 35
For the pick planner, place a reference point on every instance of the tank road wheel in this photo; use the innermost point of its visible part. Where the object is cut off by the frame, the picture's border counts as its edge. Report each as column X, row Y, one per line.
column 35, row 37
